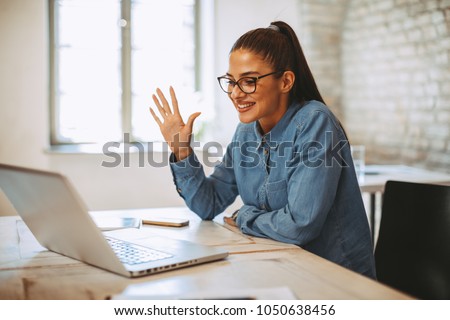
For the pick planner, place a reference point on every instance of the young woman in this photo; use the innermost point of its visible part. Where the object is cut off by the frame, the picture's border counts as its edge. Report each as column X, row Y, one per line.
column 289, row 159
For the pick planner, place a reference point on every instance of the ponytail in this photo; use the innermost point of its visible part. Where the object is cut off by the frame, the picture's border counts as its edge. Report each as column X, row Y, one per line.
column 278, row 45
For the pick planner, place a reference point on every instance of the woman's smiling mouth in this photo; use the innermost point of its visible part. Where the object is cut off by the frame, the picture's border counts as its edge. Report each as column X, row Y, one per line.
column 245, row 106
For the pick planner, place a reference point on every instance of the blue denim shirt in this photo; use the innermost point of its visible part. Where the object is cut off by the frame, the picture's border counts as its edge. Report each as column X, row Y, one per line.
column 297, row 182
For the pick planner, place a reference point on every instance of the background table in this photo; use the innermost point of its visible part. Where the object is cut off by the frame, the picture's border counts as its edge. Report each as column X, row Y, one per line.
column 376, row 176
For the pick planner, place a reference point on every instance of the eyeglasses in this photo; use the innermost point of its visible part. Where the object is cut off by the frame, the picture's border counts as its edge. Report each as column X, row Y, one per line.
column 246, row 84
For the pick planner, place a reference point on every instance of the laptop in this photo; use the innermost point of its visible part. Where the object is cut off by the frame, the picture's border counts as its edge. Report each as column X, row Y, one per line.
column 54, row 212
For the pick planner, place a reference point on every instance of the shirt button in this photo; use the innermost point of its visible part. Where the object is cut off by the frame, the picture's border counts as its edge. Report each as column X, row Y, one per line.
column 266, row 151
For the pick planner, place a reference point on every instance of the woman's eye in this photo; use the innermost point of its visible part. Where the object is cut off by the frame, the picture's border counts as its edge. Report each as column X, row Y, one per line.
column 248, row 82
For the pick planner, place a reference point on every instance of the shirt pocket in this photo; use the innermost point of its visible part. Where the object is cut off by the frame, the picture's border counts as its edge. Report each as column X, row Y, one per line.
column 277, row 195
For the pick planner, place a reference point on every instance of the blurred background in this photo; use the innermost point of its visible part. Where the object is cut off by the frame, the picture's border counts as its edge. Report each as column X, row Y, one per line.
column 76, row 74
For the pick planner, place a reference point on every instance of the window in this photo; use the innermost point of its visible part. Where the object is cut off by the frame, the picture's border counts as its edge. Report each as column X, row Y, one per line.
column 107, row 59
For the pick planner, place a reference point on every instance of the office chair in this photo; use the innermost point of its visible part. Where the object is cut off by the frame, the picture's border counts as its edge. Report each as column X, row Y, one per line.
column 413, row 249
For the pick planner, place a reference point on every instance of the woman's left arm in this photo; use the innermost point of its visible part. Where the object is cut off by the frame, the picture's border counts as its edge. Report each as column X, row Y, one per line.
column 312, row 186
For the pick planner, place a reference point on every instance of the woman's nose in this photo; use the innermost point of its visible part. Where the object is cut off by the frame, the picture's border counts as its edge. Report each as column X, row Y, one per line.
column 236, row 92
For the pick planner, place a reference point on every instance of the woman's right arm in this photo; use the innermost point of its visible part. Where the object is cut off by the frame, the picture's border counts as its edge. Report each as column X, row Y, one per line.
column 206, row 196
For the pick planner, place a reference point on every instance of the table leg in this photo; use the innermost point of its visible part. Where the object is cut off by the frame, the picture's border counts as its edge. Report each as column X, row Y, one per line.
column 372, row 215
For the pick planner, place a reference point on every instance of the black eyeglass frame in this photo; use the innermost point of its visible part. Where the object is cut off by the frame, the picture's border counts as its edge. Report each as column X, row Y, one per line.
column 254, row 79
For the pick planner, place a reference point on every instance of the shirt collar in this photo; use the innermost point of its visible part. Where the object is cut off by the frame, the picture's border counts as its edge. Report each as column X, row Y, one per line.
column 275, row 136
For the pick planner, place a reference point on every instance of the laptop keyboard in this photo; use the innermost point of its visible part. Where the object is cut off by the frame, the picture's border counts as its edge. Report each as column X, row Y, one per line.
column 129, row 253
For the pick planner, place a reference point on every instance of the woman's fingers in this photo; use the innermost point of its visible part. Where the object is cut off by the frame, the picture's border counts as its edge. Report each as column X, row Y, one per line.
column 229, row 221
column 158, row 121
column 190, row 122
column 173, row 97
column 165, row 104
column 171, row 121
column 176, row 133
column 158, row 105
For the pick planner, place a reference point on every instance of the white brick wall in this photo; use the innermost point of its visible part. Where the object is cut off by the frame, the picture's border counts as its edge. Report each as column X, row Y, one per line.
column 384, row 67
column 395, row 63
column 322, row 21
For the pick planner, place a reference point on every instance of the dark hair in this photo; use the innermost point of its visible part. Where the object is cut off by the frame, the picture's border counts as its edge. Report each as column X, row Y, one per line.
column 279, row 46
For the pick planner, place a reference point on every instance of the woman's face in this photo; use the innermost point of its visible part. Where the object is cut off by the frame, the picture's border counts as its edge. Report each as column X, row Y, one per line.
column 270, row 100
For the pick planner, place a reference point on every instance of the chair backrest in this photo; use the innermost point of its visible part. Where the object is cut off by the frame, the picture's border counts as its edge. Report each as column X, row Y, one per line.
column 413, row 249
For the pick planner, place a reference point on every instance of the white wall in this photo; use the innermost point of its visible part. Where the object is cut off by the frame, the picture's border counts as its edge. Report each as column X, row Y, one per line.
column 24, row 107
column 23, row 82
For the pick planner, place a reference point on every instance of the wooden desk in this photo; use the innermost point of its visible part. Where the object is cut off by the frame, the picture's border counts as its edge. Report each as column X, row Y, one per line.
column 28, row 271
column 376, row 176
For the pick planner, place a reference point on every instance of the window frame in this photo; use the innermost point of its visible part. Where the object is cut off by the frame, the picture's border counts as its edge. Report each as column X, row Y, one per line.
column 201, row 9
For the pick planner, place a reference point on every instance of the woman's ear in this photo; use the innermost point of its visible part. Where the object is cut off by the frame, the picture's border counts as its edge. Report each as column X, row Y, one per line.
column 288, row 80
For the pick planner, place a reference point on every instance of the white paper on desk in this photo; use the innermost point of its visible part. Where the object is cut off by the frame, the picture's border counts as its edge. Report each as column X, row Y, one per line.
column 28, row 245
column 115, row 223
column 138, row 292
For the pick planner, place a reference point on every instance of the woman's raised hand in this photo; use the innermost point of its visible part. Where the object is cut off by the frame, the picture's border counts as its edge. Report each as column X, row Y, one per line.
column 176, row 133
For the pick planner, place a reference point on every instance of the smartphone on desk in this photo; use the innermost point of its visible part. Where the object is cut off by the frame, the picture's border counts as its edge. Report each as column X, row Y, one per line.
column 166, row 222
